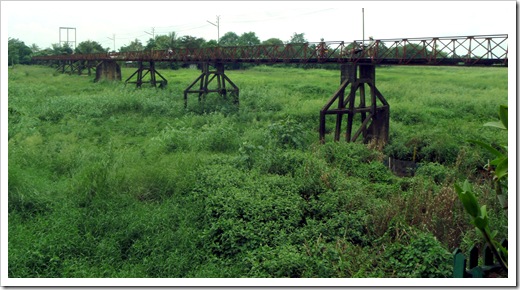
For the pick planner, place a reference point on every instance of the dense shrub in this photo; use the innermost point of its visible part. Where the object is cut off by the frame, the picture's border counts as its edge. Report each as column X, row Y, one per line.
column 287, row 134
column 437, row 172
column 417, row 255
column 284, row 261
column 339, row 258
column 248, row 212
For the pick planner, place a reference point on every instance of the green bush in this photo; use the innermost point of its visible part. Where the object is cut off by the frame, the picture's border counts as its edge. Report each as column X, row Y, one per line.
column 220, row 137
column 249, row 212
column 284, row 261
column 420, row 255
column 346, row 156
column 287, row 134
column 338, row 258
column 437, row 172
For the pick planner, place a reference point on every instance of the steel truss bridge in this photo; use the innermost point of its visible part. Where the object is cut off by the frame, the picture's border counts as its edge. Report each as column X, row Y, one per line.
column 358, row 61
column 466, row 50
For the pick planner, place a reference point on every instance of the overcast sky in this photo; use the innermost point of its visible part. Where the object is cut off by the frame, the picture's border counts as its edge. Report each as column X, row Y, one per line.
column 39, row 22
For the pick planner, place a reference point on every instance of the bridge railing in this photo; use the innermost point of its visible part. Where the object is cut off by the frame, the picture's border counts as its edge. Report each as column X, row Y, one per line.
column 465, row 50
column 470, row 50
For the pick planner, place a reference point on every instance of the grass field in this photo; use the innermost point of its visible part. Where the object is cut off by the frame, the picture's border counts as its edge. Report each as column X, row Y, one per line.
column 106, row 180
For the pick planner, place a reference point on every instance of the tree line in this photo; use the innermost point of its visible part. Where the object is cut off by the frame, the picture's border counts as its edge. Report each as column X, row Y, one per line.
column 20, row 53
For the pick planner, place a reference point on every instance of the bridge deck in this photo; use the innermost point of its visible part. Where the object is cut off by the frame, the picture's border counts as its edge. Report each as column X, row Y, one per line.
column 480, row 50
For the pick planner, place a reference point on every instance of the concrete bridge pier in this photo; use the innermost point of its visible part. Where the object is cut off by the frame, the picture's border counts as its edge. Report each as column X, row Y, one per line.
column 108, row 70
column 374, row 120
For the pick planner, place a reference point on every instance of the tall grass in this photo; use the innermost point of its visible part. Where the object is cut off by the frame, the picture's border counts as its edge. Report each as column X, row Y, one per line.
column 107, row 180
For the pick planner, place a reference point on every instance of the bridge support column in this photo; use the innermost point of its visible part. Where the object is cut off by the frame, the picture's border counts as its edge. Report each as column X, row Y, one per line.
column 142, row 71
column 205, row 79
column 90, row 66
column 108, row 70
column 84, row 64
column 374, row 116
column 61, row 66
column 69, row 66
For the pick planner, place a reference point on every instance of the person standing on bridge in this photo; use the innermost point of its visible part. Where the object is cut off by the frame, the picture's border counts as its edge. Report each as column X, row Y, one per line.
column 370, row 47
column 321, row 49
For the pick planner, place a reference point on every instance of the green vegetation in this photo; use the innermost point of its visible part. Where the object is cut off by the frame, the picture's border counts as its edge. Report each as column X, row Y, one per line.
column 20, row 53
column 499, row 169
column 113, row 181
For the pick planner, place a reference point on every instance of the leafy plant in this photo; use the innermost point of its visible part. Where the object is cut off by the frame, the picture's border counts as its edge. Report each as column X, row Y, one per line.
column 480, row 219
column 287, row 134
column 420, row 257
column 479, row 215
column 498, row 166
column 437, row 172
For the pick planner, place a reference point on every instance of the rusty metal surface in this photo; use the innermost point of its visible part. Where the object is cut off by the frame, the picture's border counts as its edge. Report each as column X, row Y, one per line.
column 457, row 50
column 142, row 71
column 372, row 107
column 206, row 78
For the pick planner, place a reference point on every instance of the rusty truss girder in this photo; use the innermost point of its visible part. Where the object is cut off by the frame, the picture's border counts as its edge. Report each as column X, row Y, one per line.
column 470, row 50
column 458, row 50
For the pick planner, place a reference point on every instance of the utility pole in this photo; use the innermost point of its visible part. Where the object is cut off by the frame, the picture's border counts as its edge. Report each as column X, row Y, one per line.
column 218, row 27
column 363, row 18
column 153, row 33
column 114, row 39
column 153, row 36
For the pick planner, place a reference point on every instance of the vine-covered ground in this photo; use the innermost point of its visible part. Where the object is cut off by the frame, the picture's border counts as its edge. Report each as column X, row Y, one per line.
column 106, row 180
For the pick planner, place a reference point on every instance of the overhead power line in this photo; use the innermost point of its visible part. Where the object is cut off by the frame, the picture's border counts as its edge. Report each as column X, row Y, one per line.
column 249, row 20
column 152, row 33
column 218, row 27
column 193, row 26
column 114, row 39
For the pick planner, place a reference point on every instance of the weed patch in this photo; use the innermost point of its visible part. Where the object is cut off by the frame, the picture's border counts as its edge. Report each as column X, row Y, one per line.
column 106, row 180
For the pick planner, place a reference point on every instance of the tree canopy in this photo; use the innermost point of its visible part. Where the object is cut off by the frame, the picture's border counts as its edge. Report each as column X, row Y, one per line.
column 18, row 52
column 191, row 41
column 89, row 46
column 229, row 39
column 21, row 53
column 272, row 41
column 248, row 38
column 58, row 49
column 298, row 38
column 135, row 45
